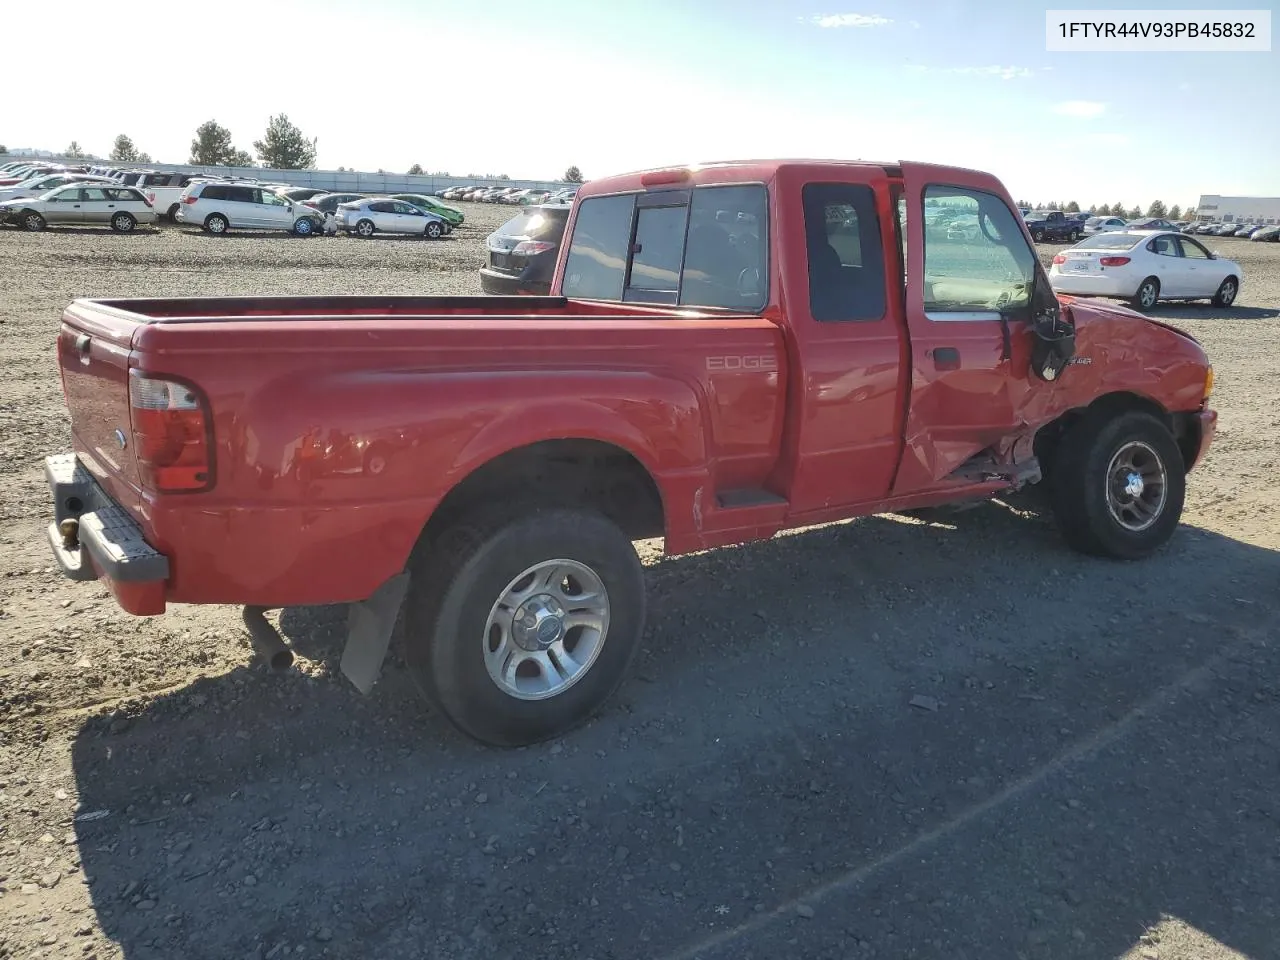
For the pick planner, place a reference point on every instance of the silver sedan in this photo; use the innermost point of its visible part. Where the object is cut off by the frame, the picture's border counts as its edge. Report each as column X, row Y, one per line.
column 383, row 215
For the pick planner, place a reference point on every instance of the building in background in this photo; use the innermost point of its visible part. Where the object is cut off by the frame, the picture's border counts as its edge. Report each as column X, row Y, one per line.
column 1238, row 209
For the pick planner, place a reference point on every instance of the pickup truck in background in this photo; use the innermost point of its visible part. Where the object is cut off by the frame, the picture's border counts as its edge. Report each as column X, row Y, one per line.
column 1054, row 225
column 164, row 190
column 728, row 351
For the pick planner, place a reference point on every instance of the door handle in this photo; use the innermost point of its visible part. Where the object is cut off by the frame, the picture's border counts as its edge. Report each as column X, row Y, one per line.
column 946, row 358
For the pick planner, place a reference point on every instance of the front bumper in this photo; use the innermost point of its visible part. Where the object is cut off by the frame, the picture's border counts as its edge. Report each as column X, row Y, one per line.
column 109, row 545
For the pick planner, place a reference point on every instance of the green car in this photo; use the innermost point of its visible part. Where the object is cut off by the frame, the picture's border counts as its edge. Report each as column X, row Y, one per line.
column 432, row 205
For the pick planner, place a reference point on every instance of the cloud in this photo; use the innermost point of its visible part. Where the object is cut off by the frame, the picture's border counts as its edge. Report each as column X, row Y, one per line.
column 1084, row 109
column 1004, row 73
column 834, row 20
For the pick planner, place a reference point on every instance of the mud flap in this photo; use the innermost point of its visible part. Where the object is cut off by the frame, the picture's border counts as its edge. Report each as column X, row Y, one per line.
column 370, row 624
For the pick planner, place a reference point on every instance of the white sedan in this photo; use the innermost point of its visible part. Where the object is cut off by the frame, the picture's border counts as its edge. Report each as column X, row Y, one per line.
column 1145, row 266
column 1103, row 225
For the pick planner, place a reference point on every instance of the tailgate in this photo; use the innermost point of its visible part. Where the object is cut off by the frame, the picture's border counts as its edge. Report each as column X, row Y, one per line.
column 93, row 355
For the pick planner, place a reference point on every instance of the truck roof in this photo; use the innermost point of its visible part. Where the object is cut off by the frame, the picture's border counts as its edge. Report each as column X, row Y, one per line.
column 719, row 171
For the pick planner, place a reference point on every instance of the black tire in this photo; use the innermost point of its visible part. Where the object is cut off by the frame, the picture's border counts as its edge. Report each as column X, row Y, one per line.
column 32, row 221
column 172, row 214
column 1083, row 491
column 216, row 223
column 434, row 231
column 1227, row 292
column 365, row 228
column 123, row 222
column 1075, row 236
column 457, row 582
column 1037, row 236
column 1147, row 294
column 304, row 227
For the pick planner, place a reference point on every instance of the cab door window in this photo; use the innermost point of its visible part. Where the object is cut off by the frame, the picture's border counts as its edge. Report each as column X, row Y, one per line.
column 845, row 252
column 980, row 265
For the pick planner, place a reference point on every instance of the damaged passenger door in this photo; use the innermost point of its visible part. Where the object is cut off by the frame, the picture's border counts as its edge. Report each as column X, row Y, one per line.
column 971, row 277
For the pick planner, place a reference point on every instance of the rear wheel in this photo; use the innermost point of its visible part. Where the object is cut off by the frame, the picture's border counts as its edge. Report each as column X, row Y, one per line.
column 33, row 221
column 365, row 228
column 1147, row 294
column 1227, row 292
column 123, row 222
column 216, row 223
column 173, row 214
column 521, row 625
column 1118, row 485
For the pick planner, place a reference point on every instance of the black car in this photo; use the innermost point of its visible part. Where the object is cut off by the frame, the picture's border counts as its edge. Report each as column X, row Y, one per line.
column 522, row 252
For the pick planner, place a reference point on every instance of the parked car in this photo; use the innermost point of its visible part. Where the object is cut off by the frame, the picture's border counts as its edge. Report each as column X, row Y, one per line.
column 121, row 208
column 528, row 442
column 329, row 202
column 1102, row 225
column 219, row 206
column 1224, row 229
column 165, row 190
column 385, row 215
column 38, row 186
column 1145, row 267
column 1152, row 223
column 1247, row 230
column 1053, row 225
column 26, row 172
column 432, row 205
column 301, row 194
column 522, row 252
column 1267, row 234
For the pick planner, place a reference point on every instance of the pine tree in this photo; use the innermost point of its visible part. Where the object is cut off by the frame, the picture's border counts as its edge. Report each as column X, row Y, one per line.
column 283, row 147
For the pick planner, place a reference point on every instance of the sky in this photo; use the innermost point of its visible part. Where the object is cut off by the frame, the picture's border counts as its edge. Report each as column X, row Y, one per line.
column 528, row 88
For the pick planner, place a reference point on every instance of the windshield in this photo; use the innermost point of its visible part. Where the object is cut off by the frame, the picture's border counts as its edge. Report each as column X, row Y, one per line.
column 1109, row 241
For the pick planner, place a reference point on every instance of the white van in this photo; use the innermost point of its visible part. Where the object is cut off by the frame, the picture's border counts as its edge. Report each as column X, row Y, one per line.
column 221, row 206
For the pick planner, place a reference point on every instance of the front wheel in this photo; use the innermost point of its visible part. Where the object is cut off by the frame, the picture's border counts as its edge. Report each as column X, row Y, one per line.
column 33, row 221
column 521, row 627
column 1037, row 235
column 304, row 227
column 123, row 222
column 434, row 230
column 1118, row 485
column 1227, row 292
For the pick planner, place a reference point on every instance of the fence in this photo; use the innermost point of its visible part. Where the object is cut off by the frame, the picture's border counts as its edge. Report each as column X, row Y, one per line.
column 337, row 181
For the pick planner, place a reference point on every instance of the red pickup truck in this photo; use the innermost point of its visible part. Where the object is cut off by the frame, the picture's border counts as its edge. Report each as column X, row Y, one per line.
column 728, row 351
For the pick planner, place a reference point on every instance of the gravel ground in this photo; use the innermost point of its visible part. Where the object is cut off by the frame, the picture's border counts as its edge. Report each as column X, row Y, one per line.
column 1090, row 771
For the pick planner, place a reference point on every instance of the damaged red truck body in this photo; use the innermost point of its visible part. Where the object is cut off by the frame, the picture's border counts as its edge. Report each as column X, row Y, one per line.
column 729, row 350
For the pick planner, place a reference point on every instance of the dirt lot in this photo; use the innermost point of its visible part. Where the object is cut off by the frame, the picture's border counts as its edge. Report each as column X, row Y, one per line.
column 1099, row 777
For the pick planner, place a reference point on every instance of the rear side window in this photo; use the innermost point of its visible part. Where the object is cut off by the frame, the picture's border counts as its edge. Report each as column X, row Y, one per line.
column 212, row 191
column 382, row 206
column 597, row 261
column 706, row 247
column 845, row 252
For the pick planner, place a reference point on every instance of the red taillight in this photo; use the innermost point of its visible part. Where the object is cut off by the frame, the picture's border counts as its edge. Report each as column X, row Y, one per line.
column 1113, row 261
column 1059, row 259
column 171, row 435
column 190, row 199
column 528, row 248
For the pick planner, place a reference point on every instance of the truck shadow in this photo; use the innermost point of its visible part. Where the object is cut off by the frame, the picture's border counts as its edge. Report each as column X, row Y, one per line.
column 1092, row 747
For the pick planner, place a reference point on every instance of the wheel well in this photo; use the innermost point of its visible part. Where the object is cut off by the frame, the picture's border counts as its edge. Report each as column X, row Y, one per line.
column 1185, row 427
column 577, row 472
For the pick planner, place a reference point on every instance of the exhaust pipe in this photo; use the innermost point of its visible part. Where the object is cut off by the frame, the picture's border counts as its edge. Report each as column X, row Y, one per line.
column 266, row 639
